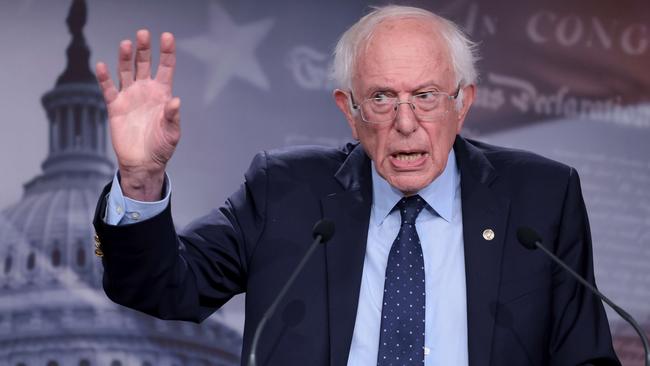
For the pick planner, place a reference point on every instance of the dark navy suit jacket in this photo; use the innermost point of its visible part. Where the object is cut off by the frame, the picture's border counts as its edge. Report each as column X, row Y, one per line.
column 521, row 309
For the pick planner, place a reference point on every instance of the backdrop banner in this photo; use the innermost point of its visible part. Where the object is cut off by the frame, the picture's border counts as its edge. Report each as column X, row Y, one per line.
column 568, row 80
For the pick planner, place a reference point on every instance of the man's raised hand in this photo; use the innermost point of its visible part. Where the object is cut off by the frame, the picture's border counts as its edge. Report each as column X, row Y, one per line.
column 143, row 116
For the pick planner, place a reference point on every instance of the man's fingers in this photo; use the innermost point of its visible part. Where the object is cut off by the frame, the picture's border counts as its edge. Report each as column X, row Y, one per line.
column 125, row 64
column 167, row 65
column 105, row 83
column 143, row 55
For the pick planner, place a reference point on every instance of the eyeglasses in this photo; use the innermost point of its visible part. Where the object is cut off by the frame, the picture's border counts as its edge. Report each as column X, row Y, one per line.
column 427, row 106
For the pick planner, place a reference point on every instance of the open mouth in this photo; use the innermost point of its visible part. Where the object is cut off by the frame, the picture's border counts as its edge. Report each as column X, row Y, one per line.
column 408, row 156
column 408, row 160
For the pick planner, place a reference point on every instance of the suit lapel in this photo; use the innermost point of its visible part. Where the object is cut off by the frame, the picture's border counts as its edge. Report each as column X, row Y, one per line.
column 350, row 211
column 483, row 210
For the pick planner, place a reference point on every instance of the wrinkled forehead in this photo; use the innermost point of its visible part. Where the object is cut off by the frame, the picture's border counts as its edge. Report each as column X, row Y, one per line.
column 406, row 47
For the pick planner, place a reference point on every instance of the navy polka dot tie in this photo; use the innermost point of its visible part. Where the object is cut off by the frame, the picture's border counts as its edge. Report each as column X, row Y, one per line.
column 401, row 340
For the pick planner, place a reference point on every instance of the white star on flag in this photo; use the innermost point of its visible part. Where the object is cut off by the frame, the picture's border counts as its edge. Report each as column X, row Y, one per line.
column 228, row 51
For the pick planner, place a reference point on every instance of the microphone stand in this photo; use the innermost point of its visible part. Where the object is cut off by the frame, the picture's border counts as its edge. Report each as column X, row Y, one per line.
column 322, row 236
column 530, row 236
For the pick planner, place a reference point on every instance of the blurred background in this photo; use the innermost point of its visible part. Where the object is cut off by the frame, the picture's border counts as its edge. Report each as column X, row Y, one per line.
column 568, row 80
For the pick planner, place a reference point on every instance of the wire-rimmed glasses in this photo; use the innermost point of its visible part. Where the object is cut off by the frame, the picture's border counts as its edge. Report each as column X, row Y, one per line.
column 427, row 106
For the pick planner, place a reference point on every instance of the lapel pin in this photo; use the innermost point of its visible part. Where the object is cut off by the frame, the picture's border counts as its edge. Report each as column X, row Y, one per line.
column 488, row 234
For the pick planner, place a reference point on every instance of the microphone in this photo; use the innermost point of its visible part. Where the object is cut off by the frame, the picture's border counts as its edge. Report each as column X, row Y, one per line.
column 530, row 239
column 322, row 232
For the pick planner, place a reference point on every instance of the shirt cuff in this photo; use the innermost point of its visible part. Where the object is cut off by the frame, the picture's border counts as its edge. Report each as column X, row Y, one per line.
column 121, row 210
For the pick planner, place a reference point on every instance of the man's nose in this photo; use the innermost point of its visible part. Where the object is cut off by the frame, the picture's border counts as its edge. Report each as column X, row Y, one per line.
column 405, row 120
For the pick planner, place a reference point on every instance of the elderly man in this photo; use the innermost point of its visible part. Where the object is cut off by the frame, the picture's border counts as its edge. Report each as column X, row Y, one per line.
column 425, row 266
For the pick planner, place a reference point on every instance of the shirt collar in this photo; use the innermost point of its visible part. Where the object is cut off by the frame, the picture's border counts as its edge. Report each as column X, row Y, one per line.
column 439, row 194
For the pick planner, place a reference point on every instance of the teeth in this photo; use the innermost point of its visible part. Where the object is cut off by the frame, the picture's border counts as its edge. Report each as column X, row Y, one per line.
column 408, row 157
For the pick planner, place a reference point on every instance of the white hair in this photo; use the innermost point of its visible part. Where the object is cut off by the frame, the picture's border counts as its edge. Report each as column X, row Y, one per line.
column 462, row 50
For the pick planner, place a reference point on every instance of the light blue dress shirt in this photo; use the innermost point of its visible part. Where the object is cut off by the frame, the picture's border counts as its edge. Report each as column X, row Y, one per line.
column 440, row 228
column 121, row 210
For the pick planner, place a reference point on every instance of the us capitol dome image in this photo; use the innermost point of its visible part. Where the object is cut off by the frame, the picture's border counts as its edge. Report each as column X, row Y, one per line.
column 53, row 310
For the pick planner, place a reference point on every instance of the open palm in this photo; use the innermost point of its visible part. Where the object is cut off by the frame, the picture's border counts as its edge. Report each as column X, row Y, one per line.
column 143, row 115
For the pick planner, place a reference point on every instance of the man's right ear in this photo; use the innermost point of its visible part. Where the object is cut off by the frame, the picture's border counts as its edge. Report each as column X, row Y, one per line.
column 344, row 102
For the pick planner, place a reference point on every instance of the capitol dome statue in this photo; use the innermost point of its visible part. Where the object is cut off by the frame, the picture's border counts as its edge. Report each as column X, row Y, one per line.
column 53, row 310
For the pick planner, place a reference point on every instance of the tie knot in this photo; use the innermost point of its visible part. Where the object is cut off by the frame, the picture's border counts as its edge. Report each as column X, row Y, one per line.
column 410, row 207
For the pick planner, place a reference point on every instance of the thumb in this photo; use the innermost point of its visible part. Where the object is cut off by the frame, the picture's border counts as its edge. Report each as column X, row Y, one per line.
column 172, row 111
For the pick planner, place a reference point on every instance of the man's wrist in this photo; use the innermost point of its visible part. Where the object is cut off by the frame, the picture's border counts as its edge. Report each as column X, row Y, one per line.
column 122, row 210
column 145, row 187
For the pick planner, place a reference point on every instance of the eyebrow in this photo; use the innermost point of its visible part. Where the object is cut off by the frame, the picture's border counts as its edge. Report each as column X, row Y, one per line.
column 430, row 84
